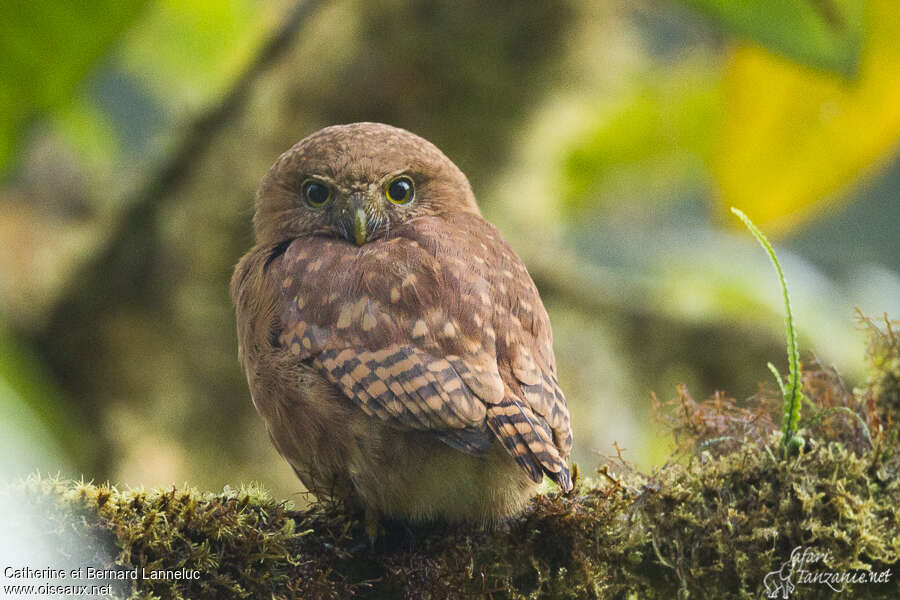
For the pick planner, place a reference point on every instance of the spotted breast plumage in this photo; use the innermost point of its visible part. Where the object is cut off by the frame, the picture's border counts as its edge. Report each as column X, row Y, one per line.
column 394, row 344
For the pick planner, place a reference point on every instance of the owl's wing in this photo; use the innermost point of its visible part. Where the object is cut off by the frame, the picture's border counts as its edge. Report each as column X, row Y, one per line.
column 532, row 419
column 404, row 329
column 338, row 316
column 405, row 385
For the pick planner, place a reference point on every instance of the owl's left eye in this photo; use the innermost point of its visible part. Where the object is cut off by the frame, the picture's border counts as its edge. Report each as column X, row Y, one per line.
column 400, row 190
column 315, row 193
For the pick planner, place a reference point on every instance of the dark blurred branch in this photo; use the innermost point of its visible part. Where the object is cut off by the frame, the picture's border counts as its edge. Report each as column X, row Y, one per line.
column 129, row 249
column 128, row 252
column 123, row 273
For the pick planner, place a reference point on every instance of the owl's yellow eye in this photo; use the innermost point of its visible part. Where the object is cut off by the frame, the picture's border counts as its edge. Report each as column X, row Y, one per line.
column 400, row 190
column 315, row 193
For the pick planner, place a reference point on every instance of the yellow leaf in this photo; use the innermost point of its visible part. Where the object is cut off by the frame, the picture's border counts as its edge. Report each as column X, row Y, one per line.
column 793, row 138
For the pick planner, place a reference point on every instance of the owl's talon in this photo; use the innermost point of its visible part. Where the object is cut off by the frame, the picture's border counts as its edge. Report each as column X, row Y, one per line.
column 574, row 475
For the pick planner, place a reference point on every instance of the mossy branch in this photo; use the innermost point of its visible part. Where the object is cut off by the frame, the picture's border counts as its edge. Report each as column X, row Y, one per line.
column 722, row 521
column 793, row 393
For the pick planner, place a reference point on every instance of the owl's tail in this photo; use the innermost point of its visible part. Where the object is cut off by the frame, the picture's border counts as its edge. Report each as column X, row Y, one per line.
column 529, row 440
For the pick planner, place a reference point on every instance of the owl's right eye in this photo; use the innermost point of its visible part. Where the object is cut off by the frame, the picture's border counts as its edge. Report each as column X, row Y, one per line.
column 315, row 193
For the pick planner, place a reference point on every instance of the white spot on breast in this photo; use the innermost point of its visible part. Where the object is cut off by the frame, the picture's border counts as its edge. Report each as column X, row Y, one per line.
column 420, row 329
column 345, row 316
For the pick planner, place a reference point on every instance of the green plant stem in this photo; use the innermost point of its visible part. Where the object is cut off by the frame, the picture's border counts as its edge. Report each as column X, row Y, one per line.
column 793, row 395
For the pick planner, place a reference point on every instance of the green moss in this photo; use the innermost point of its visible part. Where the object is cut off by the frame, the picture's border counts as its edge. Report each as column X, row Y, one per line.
column 238, row 540
column 724, row 512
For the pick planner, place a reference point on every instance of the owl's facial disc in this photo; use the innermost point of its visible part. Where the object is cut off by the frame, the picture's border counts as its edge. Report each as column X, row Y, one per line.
column 358, row 208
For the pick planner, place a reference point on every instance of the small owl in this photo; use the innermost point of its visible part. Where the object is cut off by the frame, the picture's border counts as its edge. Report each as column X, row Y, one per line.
column 394, row 344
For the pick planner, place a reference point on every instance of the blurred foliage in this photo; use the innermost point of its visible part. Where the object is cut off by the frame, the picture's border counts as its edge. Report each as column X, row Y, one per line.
column 660, row 130
column 821, row 33
column 47, row 49
column 793, row 137
column 781, row 139
column 595, row 134
column 36, row 428
column 196, row 49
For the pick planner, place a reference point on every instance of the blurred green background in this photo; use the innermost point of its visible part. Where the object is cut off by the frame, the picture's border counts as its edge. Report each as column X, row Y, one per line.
column 606, row 139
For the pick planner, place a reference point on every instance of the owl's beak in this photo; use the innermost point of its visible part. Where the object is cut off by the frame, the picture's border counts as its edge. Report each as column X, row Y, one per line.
column 360, row 226
column 356, row 219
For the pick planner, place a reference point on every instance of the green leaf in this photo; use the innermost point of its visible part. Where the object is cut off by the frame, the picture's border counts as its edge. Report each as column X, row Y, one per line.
column 793, row 140
column 825, row 34
column 46, row 50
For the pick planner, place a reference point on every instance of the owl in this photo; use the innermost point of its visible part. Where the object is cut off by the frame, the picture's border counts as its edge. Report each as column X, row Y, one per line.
column 394, row 344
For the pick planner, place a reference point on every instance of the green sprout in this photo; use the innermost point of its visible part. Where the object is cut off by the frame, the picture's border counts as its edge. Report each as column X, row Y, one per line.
column 793, row 392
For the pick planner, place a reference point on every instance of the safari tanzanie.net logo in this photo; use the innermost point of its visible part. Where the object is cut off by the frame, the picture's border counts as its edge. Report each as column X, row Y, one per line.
column 810, row 567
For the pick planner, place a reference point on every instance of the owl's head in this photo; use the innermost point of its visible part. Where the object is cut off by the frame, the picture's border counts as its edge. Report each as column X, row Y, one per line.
column 357, row 182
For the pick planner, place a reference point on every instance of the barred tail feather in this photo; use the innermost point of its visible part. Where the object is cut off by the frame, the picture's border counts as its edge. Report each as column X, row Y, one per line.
column 529, row 440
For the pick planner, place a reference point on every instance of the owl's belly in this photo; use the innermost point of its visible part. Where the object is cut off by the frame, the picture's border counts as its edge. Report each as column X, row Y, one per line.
column 419, row 478
column 339, row 451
